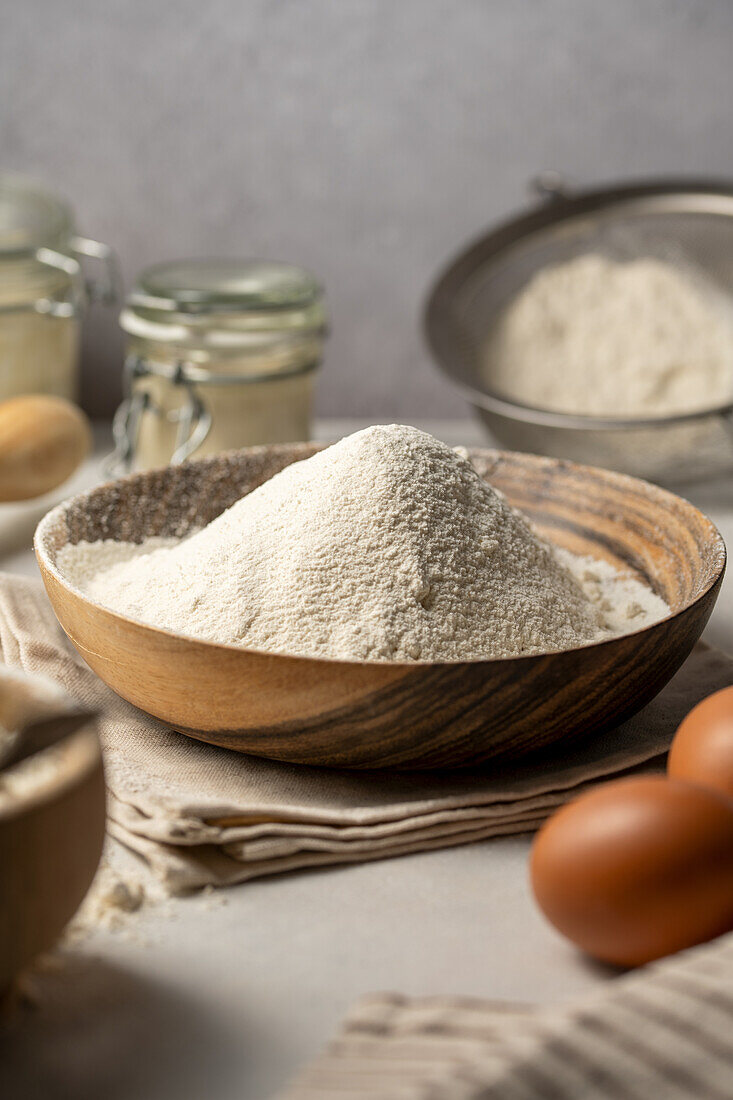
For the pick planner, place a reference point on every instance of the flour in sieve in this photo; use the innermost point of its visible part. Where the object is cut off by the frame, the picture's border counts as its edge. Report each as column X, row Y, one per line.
column 599, row 337
column 385, row 546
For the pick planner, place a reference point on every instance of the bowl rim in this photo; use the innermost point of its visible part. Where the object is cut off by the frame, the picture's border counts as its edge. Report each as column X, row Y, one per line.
column 57, row 514
column 81, row 756
column 559, row 207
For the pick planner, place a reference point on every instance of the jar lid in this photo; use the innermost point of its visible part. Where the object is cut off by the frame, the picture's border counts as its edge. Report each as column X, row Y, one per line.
column 261, row 294
column 31, row 218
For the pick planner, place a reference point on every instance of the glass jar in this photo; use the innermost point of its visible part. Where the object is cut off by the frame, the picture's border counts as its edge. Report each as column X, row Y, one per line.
column 43, row 291
column 221, row 354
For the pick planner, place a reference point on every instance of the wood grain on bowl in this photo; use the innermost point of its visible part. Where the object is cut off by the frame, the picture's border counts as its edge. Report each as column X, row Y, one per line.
column 370, row 714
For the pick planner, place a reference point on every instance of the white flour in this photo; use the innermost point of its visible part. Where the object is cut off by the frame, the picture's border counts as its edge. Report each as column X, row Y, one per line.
column 599, row 337
column 35, row 775
column 386, row 546
column 24, row 698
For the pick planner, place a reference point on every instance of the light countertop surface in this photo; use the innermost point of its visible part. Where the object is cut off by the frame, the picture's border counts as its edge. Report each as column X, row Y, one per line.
column 225, row 997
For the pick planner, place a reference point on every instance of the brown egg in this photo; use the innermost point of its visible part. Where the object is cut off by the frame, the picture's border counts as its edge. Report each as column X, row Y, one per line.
column 637, row 868
column 702, row 750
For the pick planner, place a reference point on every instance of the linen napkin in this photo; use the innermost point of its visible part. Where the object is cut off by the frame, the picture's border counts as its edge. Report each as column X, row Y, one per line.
column 202, row 815
column 665, row 1031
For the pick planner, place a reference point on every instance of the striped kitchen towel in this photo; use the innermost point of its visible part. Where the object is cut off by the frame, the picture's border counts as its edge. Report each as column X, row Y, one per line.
column 661, row 1033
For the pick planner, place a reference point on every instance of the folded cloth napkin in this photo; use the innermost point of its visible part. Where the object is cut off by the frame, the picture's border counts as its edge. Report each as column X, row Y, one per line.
column 202, row 815
column 663, row 1032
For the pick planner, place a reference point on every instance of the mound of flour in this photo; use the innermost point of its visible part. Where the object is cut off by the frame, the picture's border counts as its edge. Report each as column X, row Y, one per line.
column 385, row 546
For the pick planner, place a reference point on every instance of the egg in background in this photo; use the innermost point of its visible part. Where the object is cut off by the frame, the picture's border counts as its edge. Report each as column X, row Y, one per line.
column 702, row 749
column 637, row 868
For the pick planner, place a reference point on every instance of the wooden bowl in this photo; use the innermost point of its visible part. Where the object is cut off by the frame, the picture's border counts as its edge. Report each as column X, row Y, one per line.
column 51, row 840
column 360, row 714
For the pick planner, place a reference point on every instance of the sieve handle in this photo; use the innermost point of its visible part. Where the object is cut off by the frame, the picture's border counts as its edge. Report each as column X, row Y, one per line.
column 550, row 187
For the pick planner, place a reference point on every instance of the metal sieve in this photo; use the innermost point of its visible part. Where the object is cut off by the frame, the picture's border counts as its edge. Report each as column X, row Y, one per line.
column 688, row 223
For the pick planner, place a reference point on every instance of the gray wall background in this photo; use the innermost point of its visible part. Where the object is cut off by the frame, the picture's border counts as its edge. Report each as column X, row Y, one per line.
column 366, row 139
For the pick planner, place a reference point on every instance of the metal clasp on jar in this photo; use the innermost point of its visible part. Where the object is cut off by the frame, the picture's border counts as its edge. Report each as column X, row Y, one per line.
column 107, row 289
column 82, row 290
column 193, row 418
